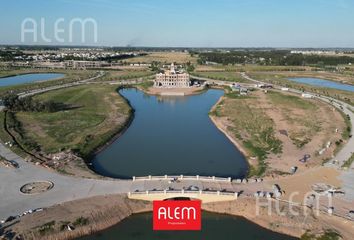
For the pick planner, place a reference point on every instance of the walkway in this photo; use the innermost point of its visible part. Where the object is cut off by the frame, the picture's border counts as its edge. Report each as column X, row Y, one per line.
column 66, row 188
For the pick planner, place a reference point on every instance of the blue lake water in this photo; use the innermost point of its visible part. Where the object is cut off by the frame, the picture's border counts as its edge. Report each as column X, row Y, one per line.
column 28, row 78
column 173, row 136
column 214, row 226
column 324, row 83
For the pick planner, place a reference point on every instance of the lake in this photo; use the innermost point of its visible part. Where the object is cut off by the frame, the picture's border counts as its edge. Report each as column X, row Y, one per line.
column 28, row 78
column 173, row 136
column 324, row 83
column 214, row 226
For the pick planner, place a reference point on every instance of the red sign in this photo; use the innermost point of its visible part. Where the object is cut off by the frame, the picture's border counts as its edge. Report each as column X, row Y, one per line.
column 177, row 215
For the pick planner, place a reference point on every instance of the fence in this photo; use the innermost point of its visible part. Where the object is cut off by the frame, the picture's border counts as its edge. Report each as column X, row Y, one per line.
column 182, row 177
column 184, row 192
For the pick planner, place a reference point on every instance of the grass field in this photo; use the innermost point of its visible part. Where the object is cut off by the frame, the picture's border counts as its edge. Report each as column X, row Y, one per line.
column 164, row 57
column 250, row 126
column 5, row 137
column 223, row 76
column 349, row 162
column 125, row 74
column 98, row 114
column 299, row 113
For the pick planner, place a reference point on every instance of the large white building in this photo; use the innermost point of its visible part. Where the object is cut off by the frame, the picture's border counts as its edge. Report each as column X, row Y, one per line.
column 84, row 64
column 172, row 79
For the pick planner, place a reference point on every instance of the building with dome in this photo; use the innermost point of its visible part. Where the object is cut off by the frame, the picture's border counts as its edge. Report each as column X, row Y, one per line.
column 172, row 78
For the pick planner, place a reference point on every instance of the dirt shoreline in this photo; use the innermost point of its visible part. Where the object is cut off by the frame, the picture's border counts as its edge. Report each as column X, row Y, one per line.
column 182, row 91
column 103, row 212
column 284, row 222
column 223, row 129
column 100, row 212
column 119, row 133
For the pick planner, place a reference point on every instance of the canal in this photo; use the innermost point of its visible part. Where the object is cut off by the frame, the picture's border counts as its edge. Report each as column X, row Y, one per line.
column 214, row 226
column 171, row 135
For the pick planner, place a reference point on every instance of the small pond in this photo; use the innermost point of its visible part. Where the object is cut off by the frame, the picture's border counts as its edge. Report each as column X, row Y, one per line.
column 28, row 78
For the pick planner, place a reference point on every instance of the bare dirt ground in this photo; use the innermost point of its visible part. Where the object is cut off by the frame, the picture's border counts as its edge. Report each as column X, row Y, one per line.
column 282, row 219
column 86, row 216
column 290, row 184
column 301, row 131
column 101, row 212
column 297, row 121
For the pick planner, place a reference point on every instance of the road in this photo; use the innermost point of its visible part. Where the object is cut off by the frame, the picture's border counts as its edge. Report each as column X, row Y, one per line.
column 67, row 188
column 13, row 202
column 56, row 87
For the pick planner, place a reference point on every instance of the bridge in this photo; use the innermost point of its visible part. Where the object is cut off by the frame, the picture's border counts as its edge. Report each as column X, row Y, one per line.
column 67, row 188
column 205, row 188
column 204, row 196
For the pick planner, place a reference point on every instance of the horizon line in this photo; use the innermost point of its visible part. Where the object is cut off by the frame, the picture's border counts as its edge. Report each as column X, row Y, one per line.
column 168, row 47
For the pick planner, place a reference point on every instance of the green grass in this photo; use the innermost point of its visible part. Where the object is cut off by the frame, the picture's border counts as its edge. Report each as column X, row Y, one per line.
column 46, row 228
column 348, row 124
column 98, row 113
column 291, row 101
column 81, row 221
column 349, row 162
column 327, row 235
column 223, row 76
column 5, row 137
column 252, row 127
column 115, row 75
column 146, row 84
column 308, row 125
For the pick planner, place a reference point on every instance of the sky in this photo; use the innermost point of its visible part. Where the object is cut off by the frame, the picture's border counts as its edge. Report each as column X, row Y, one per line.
column 181, row 23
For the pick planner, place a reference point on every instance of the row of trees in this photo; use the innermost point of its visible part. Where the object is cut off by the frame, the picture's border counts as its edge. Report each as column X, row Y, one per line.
column 28, row 104
column 275, row 58
column 9, row 55
column 15, row 126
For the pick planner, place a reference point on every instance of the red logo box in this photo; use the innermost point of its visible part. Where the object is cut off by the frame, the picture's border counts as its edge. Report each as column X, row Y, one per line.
column 177, row 215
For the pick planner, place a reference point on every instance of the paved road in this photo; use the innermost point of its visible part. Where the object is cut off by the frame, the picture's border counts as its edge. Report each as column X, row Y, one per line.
column 348, row 149
column 13, row 202
column 56, row 87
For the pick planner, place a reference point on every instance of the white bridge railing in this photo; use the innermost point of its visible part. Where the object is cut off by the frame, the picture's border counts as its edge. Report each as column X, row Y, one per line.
column 182, row 177
column 183, row 192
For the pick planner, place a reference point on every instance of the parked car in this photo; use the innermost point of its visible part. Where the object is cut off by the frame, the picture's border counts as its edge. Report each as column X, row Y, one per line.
column 14, row 164
column 9, row 219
